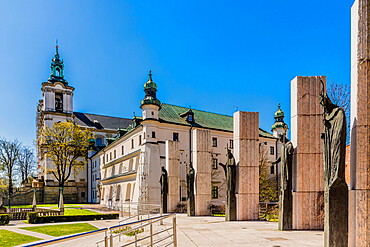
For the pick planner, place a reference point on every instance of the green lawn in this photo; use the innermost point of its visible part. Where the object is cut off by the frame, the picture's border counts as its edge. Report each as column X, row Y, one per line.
column 62, row 229
column 73, row 211
column 8, row 238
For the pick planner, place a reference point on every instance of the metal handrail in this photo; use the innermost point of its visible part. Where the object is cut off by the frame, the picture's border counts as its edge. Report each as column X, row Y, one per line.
column 109, row 239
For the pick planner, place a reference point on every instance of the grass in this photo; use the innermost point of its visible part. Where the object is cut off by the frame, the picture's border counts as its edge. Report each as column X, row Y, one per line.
column 8, row 238
column 62, row 229
column 72, row 211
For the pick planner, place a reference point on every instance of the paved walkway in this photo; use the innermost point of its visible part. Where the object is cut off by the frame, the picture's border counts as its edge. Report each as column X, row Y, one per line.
column 201, row 231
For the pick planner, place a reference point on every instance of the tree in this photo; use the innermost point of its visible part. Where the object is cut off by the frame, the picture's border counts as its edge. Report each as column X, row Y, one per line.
column 26, row 163
column 340, row 95
column 65, row 144
column 9, row 156
column 267, row 185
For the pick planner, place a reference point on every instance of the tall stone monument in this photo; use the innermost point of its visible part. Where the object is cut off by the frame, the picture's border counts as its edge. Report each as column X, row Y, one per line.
column 336, row 189
column 285, row 196
column 246, row 139
column 230, row 174
column 173, row 169
column 359, row 197
column 308, row 161
column 202, row 166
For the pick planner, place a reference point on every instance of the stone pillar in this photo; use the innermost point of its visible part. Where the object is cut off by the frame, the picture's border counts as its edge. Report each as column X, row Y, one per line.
column 202, row 166
column 359, row 196
column 308, row 163
column 246, row 139
column 173, row 169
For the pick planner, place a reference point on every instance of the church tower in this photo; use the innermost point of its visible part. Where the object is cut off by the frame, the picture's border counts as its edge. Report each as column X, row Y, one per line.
column 279, row 127
column 150, row 104
column 57, row 102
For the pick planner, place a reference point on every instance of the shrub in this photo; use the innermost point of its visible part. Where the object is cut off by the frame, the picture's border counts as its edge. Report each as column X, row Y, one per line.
column 127, row 228
column 4, row 219
column 32, row 217
column 68, row 218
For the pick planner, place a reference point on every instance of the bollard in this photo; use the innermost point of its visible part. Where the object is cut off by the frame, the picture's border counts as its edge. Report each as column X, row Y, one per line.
column 174, row 231
column 151, row 234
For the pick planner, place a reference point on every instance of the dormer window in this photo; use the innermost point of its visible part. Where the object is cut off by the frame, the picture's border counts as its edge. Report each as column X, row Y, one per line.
column 190, row 118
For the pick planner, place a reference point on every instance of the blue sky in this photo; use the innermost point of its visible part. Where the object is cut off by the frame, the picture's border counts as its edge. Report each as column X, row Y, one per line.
column 217, row 56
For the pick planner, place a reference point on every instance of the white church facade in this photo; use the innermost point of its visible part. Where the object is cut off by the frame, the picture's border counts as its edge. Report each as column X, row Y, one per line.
column 126, row 163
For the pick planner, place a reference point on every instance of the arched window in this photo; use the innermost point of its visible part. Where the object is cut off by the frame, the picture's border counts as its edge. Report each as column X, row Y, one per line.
column 128, row 193
column 133, row 190
column 118, row 194
column 57, row 72
column 110, row 193
column 120, row 169
column 113, row 171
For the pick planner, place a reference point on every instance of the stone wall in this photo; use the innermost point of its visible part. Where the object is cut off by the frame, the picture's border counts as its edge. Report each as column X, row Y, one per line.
column 246, row 139
column 25, row 197
column 308, row 164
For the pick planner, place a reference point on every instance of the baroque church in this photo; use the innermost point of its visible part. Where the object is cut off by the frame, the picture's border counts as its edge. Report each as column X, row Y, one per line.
column 129, row 153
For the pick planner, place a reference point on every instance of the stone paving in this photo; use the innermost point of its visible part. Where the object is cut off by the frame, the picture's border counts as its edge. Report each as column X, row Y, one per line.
column 201, row 231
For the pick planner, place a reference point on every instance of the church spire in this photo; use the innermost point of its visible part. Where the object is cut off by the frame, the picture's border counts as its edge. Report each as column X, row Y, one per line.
column 57, row 67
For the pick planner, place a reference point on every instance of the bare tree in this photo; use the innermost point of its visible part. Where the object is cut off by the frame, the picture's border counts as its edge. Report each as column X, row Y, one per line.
column 340, row 95
column 26, row 163
column 9, row 156
column 267, row 185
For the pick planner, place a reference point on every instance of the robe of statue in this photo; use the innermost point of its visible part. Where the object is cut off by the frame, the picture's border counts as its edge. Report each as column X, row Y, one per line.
column 230, row 174
column 164, row 189
column 336, row 189
column 285, row 195
column 190, row 191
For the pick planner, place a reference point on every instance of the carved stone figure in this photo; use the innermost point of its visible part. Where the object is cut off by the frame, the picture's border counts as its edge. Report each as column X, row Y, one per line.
column 190, row 176
column 285, row 195
column 336, row 189
column 164, row 189
column 230, row 174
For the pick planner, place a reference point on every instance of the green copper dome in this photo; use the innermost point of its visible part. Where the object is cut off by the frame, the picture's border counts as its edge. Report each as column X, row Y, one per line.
column 279, row 112
column 150, row 83
column 150, row 89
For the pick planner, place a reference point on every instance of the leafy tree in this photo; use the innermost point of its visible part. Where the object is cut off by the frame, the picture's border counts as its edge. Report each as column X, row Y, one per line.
column 65, row 144
column 267, row 185
column 9, row 156
column 26, row 163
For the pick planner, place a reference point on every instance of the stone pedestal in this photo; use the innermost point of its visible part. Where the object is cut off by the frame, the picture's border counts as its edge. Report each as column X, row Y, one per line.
column 359, row 204
column 202, row 166
column 173, row 169
column 246, row 139
column 308, row 163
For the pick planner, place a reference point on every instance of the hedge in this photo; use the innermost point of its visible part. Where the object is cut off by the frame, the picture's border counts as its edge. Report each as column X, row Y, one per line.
column 4, row 219
column 32, row 219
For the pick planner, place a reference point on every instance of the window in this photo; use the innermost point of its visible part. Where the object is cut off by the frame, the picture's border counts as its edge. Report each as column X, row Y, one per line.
column 82, row 194
column 106, row 157
column 139, row 140
column 152, row 113
column 272, row 169
column 114, row 154
column 176, row 137
column 231, row 144
column 144, row 136
column 122, row 150
column 110, row 156
column 132, row 143
column 214, row 192
column 113, row 171
column 153, row 134
column 99, row 142
column 214, row 142
column 103, row 160
column 272, row 151
column 118, row 194
column 190, row 118
column 214, row 163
